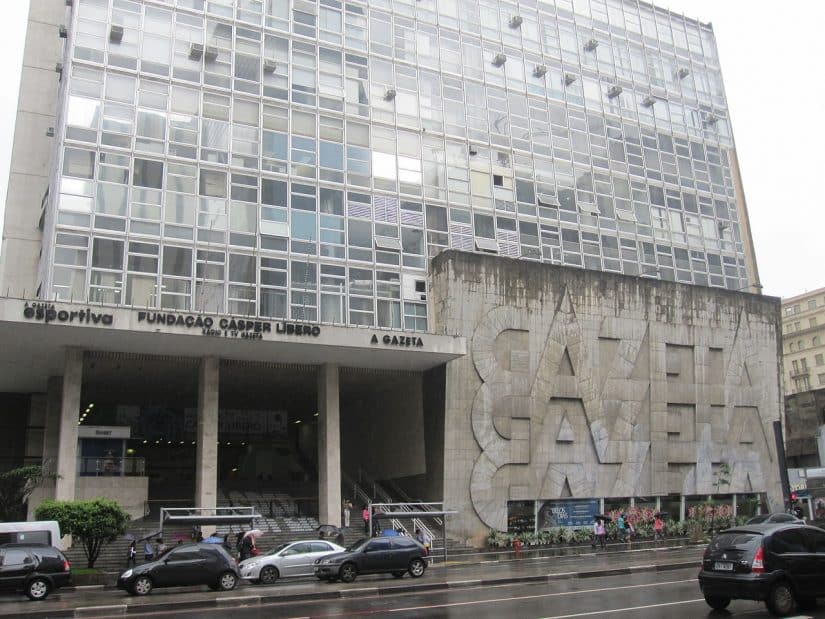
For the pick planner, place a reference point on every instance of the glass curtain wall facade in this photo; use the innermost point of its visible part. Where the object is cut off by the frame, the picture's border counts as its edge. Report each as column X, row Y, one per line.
column 303, row 160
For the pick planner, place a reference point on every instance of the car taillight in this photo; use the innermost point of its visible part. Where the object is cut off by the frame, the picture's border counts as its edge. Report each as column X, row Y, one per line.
column 66, row 566
column 757, row 567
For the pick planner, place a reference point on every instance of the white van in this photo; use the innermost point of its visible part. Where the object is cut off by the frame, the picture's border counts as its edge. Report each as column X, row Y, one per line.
column 38, row 532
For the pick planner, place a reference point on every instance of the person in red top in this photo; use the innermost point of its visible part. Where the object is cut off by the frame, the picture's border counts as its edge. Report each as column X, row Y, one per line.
column 658, row 528
column 365, row 515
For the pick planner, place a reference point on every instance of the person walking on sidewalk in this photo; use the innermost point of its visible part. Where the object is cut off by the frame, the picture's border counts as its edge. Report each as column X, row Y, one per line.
column 621, row 525
column 131, row 556
column 658, row 528
column 601, row 533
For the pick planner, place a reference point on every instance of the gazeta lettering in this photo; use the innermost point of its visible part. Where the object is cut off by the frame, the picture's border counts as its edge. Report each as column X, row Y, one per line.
column 399, row 340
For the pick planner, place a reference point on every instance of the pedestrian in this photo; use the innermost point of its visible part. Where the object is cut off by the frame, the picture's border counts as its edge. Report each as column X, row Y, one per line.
column 131, row 557
column 148, row 551
column 339, row 538
column 620, row 525
column 630, row 532
column 601, row 534
column 658, row 528
column 160, row 547
column 239, row 542
column 419, row 536
column 365, row 515
column 247, row 547
column 346, row 511
column 517, row 547
column 595, row 539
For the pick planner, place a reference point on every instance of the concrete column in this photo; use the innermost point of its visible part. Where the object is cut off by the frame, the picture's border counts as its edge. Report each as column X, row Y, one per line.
column 69, row 414
column 329, row 446
column 206, row 461
column 51, row 424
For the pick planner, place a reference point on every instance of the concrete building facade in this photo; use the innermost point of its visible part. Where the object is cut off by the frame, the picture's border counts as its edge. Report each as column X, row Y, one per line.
column 272, row 242
column 581, row 385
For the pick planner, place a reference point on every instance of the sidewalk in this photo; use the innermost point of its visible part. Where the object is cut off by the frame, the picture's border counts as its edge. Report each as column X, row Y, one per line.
column 99, row 602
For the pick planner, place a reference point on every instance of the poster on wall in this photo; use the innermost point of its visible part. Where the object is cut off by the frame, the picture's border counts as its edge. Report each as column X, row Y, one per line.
column 567, row 513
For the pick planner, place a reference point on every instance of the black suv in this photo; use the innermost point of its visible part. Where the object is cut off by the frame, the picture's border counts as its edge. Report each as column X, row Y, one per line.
column 34, row 569
column 187, row 564
column 378, row 555
column 780, row 564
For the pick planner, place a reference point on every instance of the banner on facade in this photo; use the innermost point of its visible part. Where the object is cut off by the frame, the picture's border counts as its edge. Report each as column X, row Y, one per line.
column 567, row 513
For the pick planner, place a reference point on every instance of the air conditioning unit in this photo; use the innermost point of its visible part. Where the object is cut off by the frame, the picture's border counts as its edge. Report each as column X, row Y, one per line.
column 58, row 68
column 63, row 32
column 547, row 199
column 648, row 101
column 389, row 94
column 270, row 66
column 499, row 60
column 516, row 21
column 195, row 51
column 710, row 119
column 614, row 92
column 591, row 45
column 210, row 54
column 569, row 78
column 50, row 132
column 683, row 73
column 472, row 150
column 539, row 70
column 116, row 33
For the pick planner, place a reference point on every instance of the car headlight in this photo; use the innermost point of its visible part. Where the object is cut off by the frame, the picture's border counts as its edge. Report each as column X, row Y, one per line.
column 126, row 574
column 248, row 565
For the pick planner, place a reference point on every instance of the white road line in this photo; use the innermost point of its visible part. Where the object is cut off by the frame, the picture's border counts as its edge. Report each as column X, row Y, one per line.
column 621, row 610
column 541, row 595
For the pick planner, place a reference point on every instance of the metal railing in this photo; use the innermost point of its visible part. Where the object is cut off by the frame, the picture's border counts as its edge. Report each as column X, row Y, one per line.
column 111, row 467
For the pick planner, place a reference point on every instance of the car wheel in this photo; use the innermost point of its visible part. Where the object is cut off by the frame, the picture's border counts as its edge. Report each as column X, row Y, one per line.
column 417, row 567
column 227, row 581
column 399, row 574
column 268, row 575
column 142, row 585
column 37, row 589
column 780, row 599
column 717, row 603
column 348, row 572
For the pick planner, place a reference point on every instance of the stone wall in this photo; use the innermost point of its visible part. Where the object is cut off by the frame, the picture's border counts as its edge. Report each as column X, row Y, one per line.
column 588, row 384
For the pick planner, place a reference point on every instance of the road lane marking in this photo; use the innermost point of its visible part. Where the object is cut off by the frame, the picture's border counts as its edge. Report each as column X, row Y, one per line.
column 537, row 596
column 621, row 610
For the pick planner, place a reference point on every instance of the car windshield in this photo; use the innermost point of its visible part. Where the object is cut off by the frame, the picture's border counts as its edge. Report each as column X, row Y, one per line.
column 358, row 545
column 732, row 539
column 278, row 549
column 758, row 519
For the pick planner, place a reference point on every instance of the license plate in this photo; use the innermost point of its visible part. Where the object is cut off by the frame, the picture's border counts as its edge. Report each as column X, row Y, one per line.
column 723, row 566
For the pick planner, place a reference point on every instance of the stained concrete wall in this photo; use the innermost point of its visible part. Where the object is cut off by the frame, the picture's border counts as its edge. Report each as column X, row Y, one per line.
column 587, row 384
column 33, row 149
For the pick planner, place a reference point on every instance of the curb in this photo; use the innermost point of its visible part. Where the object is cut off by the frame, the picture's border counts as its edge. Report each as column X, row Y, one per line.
column 236, row 601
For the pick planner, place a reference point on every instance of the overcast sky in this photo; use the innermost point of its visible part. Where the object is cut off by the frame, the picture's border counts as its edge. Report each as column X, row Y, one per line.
column 771, row 64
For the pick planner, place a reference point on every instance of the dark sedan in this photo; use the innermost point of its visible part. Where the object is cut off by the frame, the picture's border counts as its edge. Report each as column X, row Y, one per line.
column 187, row 564
column 379, row 555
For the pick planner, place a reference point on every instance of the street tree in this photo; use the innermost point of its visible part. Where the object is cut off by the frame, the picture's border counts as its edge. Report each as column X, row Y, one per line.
column 94, row 523
column 16, row 486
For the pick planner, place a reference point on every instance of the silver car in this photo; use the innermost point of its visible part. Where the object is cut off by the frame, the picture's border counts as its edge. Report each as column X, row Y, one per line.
column 287, row 560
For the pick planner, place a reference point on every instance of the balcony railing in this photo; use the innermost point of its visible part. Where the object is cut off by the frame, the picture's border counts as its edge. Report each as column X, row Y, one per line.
column 111, row 467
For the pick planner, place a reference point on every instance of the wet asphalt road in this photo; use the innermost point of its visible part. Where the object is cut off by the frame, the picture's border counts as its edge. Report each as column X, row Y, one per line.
column 673, row 593
column 650, row 595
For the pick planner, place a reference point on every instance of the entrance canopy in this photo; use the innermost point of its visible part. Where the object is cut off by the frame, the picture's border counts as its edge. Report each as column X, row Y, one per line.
column 207, row 516
column 35, row 333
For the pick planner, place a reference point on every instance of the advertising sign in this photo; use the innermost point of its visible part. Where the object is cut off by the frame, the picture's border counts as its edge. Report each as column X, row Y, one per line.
column 568, row 513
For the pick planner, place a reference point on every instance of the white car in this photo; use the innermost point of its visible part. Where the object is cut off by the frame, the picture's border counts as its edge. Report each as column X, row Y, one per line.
column 287, row 560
